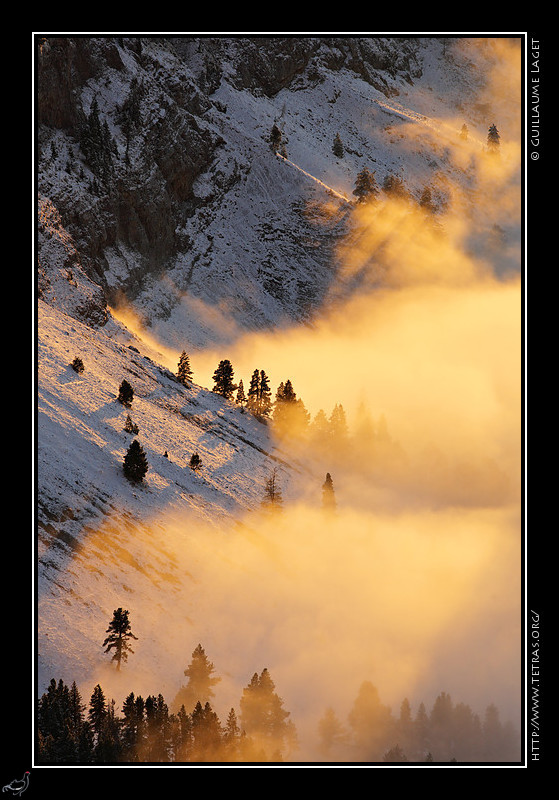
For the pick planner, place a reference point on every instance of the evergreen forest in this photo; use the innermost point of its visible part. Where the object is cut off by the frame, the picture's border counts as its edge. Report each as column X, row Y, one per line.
column 260, row 730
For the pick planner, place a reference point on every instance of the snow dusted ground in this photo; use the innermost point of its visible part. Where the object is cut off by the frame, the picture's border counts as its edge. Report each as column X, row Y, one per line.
column 271, row 228
column 105, row 543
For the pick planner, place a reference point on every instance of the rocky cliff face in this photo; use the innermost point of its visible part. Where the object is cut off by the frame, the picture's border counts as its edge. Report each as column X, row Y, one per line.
column 269, row 64
column 128, row 183
column 137, row 151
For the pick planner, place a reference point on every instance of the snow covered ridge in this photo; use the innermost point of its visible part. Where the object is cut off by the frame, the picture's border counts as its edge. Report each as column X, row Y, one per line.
column 82, row 438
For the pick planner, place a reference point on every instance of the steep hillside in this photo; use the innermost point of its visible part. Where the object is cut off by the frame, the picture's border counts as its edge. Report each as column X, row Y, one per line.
column 189, row 199
column 96, row 540
column 218, row 220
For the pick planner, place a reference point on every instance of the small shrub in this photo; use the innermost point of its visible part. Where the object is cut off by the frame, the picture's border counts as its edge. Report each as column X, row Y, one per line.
column 195, row 462
column 129, row 426
column 125, row 394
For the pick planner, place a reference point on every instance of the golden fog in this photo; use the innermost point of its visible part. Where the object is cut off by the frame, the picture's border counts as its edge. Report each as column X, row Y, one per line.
column 414, row 583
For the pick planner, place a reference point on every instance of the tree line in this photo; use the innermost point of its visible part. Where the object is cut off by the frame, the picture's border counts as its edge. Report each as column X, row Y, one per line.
column 366, row 188
column 327, row 436
column 285, row 411
column 149, row 730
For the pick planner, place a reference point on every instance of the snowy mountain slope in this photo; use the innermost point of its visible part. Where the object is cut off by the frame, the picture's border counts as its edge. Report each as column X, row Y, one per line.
column 82, row 420
column 278, row 259
column 222, row 238
column 219, row 210
column 82, row 488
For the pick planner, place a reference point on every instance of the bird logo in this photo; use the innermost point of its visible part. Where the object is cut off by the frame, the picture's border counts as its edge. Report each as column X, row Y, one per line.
column 17, row 787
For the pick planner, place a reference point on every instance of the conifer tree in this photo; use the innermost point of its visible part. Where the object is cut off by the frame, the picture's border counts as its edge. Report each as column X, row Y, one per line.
column 96, row 142
column 365, row 186
column 337, row 147
column 492, row 731
column 273, row 498
column 129, row 116
column 129, row 426
column 466, row 733
column 370, row 722
column 440, row 726
column 395, row 755
column 493, row 139
column 259, row 396
column 404, row 725
column 223, row 380
column 393, row 186
column 79, row 727
column 206, row 733
column 421, row 728
column 50, row 717
column 97, row 711
column 146, row 732
column 125, row 394
column 132, row 727
column 263, row 715
column 119, row 634
column 183, row 743
column 231, row 736
column 241, row 397
column 290, row 415
column 64, row 735
column 195, row 462
column 157, row 743
column 285, row 393
column 252, row 394
column 265, row 395
column 338, row 424
column 201, row 681
column 320, row 423
column 328, row 496
column 319, row 430
column 77, row 365
column 331, row 732
column 108, row 747
column 184, row 372
column 135, row 464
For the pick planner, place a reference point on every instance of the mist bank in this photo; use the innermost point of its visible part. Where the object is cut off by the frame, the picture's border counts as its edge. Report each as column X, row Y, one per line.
column 415, row 583
column 413, row 604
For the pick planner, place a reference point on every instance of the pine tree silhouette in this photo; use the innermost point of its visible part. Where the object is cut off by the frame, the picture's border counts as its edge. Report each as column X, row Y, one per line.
column 119, row 633
column 184, row 372
column 201, row 681
column 273, row 498
column 365, row 186
column 223, row 379
column 493, row 139
column 125, row 394
column 259, row 397
column 328, row 497
column 135, row 463
column 195, row 462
